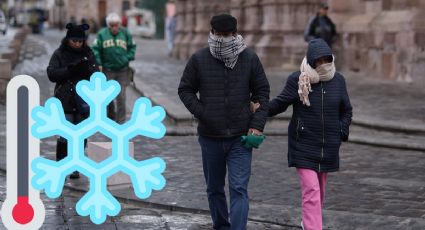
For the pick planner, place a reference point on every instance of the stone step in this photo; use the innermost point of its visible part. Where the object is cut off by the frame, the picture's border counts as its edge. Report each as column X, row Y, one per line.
column 180, row 122
column 178, row 114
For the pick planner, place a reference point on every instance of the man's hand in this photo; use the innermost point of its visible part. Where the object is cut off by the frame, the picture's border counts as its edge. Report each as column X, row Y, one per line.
column 253, row 139
column 254, row 106
column 254, row 132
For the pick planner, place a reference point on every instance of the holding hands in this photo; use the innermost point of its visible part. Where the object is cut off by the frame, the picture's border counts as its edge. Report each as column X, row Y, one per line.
column 254, row 138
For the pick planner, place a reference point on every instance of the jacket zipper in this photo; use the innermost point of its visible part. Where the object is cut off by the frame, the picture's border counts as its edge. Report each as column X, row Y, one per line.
column 226, row 101
column 323, row 126
column 298, row 127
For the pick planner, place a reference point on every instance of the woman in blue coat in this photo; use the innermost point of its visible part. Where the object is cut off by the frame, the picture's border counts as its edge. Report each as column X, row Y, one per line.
column 320, row 121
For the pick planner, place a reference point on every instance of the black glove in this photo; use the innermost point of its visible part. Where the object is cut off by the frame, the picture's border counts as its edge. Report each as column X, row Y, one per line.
column 81, row 66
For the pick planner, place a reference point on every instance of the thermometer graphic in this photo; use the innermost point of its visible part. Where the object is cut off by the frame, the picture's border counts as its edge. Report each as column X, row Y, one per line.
column 23, row 208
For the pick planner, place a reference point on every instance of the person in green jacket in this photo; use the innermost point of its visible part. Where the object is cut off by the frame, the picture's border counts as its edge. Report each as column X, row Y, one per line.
column 114, row 48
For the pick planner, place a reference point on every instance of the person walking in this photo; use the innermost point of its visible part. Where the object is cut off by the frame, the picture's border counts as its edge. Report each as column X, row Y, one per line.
column 228, row 76
column 114, row 49
column 170, row 25
column 321, row 26
column 72, row 62
column 320, row 121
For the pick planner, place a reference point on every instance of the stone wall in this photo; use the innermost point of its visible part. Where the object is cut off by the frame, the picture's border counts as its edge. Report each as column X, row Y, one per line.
column 85, row 9
column 385, row 39
column 9, row 57
column 193, row 24
column 382, row 38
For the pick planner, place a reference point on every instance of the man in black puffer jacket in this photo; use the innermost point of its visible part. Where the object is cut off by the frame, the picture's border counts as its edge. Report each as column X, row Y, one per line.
column 321, row 26
column 320, row 121
column 72, row 62
column 228, row 76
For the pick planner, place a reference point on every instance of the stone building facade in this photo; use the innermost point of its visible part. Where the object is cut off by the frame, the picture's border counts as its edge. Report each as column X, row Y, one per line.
column 381, row 38
column 61, row 11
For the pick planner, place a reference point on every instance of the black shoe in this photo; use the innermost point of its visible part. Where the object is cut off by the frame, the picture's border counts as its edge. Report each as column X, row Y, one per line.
column 61, row 150
column 74, row 175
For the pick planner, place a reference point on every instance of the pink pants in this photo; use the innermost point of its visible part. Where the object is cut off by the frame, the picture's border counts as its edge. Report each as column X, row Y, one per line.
column 313, row 186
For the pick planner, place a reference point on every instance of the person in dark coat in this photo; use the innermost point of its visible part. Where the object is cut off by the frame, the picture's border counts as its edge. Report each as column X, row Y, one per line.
column 71, row 62
column 320, row 121
column 228, row 76
column 321, row 26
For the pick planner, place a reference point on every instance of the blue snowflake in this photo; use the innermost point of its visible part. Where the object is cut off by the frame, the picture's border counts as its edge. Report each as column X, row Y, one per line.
column 145, row 175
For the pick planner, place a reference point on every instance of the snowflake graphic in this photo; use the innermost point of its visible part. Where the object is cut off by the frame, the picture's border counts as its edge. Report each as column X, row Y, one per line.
column 145, row 175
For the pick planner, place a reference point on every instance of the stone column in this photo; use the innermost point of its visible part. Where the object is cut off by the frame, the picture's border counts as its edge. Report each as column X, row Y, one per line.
column 269, row 47
column 180, row 33
column 237, row 11
column 189, row 29
column 205, row 10
column 252, row 22
column 295, row 15
column 202, row 12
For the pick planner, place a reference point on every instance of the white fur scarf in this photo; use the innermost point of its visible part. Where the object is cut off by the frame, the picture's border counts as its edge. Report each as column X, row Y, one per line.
column 308, row 76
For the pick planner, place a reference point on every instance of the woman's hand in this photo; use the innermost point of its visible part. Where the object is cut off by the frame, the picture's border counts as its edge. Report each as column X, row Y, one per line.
column 79, row 66
column 254, row 132
column 254, row 106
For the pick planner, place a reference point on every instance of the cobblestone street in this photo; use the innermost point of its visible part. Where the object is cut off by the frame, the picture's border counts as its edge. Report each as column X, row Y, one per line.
column 377, row 187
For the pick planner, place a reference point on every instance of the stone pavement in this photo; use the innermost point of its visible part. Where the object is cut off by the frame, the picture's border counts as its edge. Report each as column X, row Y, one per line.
column 377, row 188
column 61, row 214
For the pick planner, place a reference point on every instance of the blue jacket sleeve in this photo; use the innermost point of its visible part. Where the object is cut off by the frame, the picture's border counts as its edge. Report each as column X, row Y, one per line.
column 288, row 96
column 260, row 91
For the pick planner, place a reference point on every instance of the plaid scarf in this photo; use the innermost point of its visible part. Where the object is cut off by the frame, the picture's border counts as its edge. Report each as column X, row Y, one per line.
column 226, row 49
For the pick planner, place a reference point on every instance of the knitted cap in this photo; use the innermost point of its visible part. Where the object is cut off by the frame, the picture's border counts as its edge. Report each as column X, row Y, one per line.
column 224, row 23
column 76, row 32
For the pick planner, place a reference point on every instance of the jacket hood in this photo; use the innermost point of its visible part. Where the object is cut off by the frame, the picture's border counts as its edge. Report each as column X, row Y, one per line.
column 317, row 48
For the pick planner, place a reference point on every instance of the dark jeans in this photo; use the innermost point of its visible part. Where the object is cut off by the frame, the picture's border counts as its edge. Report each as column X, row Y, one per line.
column 62, row 143
column 217, row 156
column 117, row 108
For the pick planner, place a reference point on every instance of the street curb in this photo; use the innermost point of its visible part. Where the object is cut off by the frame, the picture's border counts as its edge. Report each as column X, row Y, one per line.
column 352, row 139
column 184, row 124
column 390, row 126
column 386, row 143
column 363, row 122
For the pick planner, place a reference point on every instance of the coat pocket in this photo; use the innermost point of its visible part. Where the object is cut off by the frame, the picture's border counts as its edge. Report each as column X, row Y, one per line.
column 65, row 92
column 300, row 129
column 343, row 134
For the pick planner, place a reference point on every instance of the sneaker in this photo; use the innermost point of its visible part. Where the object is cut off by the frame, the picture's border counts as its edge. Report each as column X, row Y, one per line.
column 302, row 226
column 74, row 175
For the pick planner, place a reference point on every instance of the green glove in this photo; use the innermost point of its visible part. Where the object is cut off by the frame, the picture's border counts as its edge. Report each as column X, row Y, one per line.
column 253, row 141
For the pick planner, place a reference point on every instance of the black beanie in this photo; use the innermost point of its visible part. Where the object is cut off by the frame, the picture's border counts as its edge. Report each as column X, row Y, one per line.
column 76, row 32
column 224, row 23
